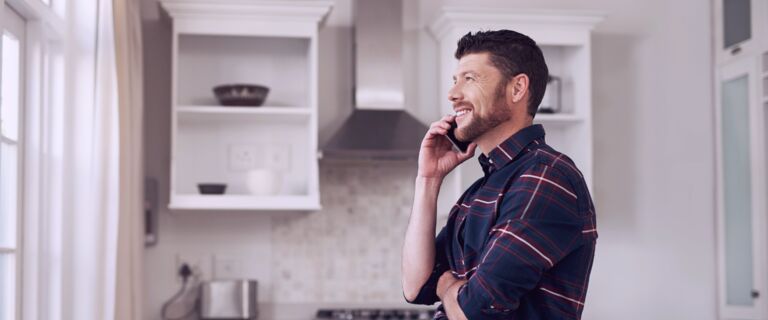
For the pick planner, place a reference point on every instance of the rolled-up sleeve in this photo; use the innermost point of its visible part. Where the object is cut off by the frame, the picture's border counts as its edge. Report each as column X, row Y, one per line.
column 428, row 293
column 538, row 225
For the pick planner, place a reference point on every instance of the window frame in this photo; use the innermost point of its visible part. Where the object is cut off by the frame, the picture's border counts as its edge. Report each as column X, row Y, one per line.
column 16, row 251
column 43, row 58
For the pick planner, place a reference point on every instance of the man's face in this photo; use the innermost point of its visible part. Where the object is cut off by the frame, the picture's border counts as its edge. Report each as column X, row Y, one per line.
column 478, row 97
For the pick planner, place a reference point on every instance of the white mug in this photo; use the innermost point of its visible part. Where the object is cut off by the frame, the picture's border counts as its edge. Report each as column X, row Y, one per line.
column 262, row 182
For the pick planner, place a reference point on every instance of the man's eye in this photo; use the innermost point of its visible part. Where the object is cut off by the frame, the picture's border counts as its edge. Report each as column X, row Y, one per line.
column 469, row 78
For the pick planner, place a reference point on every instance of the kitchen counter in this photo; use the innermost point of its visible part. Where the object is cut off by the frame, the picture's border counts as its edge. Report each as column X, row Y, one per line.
column 307, row 311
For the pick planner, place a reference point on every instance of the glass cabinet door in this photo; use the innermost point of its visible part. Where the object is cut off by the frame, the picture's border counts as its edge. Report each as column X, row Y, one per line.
column 738, row 24
column 740, row 196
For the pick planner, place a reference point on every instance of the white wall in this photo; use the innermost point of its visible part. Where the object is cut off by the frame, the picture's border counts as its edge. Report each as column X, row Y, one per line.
column 654, row 180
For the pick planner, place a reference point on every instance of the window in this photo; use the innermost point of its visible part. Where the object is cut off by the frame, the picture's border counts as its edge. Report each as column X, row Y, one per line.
column 11, row 102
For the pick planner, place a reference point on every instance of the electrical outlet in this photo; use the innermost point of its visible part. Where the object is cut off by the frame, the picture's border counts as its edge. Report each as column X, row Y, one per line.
column 227, row 267
column 243, row 157
column 199, row 263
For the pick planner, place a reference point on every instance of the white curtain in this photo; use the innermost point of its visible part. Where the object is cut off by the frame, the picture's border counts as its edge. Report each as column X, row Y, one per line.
column 102, row 225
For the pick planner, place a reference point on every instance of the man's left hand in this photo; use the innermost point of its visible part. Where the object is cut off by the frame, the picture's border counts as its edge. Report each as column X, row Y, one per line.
column 446, row 281
column 450, row 301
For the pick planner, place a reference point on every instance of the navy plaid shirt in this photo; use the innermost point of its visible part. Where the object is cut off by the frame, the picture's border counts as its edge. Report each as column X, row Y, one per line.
column 523, row 236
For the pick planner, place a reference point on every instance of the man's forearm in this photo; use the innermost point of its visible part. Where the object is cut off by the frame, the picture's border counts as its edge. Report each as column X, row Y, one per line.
column 419, row 246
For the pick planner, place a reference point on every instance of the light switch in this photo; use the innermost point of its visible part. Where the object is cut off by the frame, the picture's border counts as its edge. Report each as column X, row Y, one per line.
column 280, row 157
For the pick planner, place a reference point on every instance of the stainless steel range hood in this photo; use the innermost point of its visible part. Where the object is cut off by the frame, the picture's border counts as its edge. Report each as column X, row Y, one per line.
column 379, row 127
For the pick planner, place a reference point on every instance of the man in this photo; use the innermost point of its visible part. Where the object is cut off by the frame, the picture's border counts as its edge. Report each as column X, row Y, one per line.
column 519, row 243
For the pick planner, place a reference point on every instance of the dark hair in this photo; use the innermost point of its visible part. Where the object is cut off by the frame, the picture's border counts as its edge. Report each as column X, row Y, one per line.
column 512, row 53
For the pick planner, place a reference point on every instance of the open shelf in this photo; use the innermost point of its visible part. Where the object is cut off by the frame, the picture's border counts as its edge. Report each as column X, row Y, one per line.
column 243, row 202
column 557, row 119
column 264, row 110
column 567, row 63
column 212, row 114
column 281, row 64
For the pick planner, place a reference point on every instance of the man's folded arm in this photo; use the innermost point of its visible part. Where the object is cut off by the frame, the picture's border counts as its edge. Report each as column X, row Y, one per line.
column 427, row 295
column 538, row 226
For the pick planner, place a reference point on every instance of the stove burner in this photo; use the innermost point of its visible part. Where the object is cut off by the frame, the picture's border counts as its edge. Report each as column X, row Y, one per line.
column 374, row 314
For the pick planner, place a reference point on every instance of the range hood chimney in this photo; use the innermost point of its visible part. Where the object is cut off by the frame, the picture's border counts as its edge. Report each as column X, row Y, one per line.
column 379, row 127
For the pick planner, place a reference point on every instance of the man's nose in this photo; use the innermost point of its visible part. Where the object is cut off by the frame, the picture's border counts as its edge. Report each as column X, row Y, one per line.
column 454, row 94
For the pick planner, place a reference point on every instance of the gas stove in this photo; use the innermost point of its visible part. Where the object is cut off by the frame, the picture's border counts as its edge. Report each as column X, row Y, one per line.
column 374, row 314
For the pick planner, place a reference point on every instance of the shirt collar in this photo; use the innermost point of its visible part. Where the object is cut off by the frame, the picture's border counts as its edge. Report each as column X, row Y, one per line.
column 509, row 149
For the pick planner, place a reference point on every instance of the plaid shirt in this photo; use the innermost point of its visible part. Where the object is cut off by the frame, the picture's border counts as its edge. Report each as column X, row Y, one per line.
column 523, row 236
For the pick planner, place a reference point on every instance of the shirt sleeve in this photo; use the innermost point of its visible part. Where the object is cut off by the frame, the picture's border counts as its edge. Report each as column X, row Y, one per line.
column 428, row 293
column 538, row 225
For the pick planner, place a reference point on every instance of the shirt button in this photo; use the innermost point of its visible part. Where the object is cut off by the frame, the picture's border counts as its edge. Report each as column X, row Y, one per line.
column 490, row 160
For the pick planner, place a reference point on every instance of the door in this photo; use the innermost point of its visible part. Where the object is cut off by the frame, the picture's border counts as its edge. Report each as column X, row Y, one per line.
column 12, row 66
column 741, row 191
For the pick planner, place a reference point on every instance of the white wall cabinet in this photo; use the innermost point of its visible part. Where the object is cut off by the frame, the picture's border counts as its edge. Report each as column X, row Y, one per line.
column 740, row 28
column 564, row 38
column 268, row 43
column 741, row 102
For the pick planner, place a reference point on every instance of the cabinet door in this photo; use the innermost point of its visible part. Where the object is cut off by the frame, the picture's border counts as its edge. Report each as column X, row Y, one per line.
column 739, row 26
column 741, row 191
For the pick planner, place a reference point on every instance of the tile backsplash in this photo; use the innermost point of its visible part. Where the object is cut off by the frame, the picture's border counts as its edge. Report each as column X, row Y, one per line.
column 349, row 251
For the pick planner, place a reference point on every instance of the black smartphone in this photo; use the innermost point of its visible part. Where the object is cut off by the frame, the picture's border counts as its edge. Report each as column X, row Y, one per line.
column 461, row 145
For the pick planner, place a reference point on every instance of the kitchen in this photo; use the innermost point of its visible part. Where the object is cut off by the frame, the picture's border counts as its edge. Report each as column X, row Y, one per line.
column 638, row 109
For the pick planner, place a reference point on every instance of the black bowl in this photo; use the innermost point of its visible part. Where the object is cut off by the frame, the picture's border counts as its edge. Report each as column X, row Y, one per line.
column 241, row 94
column 212, row 188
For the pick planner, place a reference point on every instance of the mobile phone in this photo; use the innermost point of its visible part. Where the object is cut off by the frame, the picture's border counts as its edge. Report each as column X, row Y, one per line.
column 461, row 145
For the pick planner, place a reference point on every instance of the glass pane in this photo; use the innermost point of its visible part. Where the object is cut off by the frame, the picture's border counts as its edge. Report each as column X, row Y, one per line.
column 8, row 194
column 737, row 192
column 737, row 22
column 9, row 94
column 7, row 287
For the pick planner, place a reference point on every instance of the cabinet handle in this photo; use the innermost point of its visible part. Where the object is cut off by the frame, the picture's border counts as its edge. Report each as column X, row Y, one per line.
column 755, row 294
column 735, row 50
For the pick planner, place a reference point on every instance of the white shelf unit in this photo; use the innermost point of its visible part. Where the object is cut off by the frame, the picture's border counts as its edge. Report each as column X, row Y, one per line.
column 270, row 43
column 564, row 38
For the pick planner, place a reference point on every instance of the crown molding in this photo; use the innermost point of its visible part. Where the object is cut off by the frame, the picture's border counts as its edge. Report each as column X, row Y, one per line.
column 304, row 11
column 452, row 16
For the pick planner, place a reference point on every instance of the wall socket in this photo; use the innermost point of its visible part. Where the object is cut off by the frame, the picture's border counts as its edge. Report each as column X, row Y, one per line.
column 276, row 156
column 243, row 157
column 199, row 263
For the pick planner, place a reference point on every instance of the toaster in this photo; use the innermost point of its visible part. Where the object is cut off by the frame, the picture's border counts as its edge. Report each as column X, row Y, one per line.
column 228, row 299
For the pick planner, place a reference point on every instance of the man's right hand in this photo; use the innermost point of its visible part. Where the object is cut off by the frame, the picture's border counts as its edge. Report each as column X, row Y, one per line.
column 437, row 157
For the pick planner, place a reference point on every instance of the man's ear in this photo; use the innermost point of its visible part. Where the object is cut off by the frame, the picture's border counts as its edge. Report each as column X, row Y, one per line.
column 518, row 87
